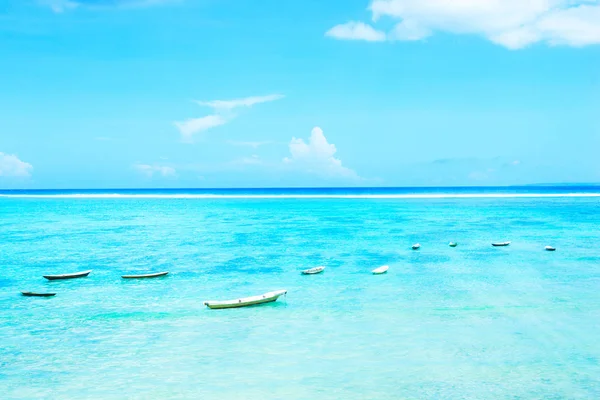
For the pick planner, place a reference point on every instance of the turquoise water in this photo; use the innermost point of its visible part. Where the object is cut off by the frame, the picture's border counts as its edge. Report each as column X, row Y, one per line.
column 469, row 322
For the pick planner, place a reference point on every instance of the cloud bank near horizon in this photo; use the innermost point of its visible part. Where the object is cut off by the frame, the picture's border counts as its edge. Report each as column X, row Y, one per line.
column 514, row 24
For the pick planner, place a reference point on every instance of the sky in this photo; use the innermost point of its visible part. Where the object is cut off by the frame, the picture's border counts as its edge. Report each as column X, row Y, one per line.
column 288, row 93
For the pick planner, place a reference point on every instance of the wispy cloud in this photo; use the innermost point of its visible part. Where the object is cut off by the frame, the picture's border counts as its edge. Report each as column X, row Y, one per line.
column 514, row 24
column 468, row 171
column 254, row 145
column 60, row 6
column 223, row 105
column 356, row 31
column 12, row 166
column 223, row 113
column 317, row 157
column 192, row 126
column 252, row 160
column 150, row 171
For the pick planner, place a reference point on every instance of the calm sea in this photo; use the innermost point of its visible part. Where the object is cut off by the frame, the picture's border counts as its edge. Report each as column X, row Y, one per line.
column 445, row 323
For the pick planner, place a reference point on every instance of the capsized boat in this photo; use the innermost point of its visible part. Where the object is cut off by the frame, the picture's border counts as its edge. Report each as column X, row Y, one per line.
column 68, row 276
column 501, row 244
column 381, row 270
column 313, row 271
column 143, row 276
column 416, row 246
column 34, row 294
column 246, row 301
column 452, row 244
column 550, row 248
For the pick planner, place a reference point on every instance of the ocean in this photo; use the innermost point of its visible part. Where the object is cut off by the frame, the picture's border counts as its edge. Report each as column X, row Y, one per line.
column 472, row 322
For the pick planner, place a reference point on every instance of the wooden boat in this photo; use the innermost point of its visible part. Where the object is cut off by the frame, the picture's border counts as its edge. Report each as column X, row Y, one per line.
column 143, row 276
column 501, row 244
column 416, row 246
column 68, row 276
column 34, row 294
column 452, row 244
column 550, row 248
column 313, row 271
column 381, row 270
column 246, row 301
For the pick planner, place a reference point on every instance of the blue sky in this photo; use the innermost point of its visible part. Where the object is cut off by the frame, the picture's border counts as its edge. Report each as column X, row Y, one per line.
column 240, row 93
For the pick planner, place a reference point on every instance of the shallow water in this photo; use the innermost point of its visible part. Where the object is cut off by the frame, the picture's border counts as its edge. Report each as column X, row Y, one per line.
column 445, row 323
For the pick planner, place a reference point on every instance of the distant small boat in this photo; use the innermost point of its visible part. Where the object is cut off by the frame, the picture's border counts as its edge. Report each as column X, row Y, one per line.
column 550, row 248
column 313, row 271
column 143, row 276
column 452, row 244
column 68, row 276
column 501, row 244
column 34, row 294
column 246, row 301
column 381, row 270
column 416, row 246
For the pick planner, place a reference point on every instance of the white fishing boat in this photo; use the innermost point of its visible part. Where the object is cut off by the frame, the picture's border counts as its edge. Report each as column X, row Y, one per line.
column 501, row 244
column 452, row 244
column 246, row 301
column 145, row 276
column 74, row 275
column 313, row 271
column 550, row 248
column 37, row 294
column 381, row 270
column 416, row 246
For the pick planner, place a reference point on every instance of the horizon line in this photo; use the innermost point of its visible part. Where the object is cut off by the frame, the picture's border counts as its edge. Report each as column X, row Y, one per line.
column 305, row 196
column 527, row 185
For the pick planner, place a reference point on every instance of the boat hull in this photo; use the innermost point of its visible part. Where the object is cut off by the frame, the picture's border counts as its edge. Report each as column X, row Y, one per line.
column 246, row 302
column 381, row 270
column 501, row 244
column 145, row 276
column 68, row 276
column 33, row 294
column 313, row 271
column 550, row 248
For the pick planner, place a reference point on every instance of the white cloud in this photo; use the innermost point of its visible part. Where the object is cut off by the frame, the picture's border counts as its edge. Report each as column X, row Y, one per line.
column 60, row 6
column 254, row 145
column 409, row 30
column 514, row 24
column 223, row 110
column 356, row 31
column 252, row 160
column 317, row 156
column 11, row 166
column 225, row 105
column 190, row 127
column 150, row 170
